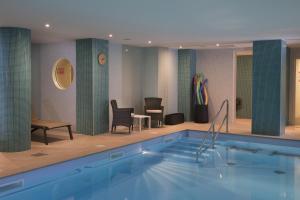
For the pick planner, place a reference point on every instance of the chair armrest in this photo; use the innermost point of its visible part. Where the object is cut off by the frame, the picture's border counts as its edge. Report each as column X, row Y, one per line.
column 122, row 114
column 123, row 110
column 131, row 110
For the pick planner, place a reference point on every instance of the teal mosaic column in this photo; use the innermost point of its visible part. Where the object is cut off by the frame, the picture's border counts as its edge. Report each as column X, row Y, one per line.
column 91, row 87
column 186, row 71
column 269, row 88
column 15, row 89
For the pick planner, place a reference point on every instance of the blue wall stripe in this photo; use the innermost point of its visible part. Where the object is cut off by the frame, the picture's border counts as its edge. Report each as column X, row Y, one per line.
column 269, row 84
column 15, row 89
column 186, row 71
column 92, row 87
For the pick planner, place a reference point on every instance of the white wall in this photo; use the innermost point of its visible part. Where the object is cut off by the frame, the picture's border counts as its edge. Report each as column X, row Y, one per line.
column 35, row 81
column 132, row 66
column 55, row 104
column 143, row 72
column 115, row 75
column 219, row 68
column 126, row 67
column 115, row 71
column 167, row 79
column 134, row 73
column 150, row 72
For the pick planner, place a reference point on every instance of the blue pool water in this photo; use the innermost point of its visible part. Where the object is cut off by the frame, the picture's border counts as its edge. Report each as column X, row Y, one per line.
column 166, row 168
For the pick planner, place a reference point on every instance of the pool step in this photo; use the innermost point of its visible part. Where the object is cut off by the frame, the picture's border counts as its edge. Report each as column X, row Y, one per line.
column 180, row 152
column 179, row 157
column 185, row 147
column 185, row 151
column 188, row 143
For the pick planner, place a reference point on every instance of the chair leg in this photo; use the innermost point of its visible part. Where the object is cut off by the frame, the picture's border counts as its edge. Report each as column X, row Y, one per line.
column 112, row 128
column 70, row 132
column 129, row 129
column 45, row 136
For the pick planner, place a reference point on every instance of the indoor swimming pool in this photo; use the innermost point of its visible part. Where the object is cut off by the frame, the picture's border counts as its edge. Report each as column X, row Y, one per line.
column 166, row 168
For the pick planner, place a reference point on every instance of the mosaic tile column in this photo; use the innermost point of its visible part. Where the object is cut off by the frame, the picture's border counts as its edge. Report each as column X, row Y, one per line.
column 186, row 71
column 15, row 89
column 269, row 87
column 92, row 99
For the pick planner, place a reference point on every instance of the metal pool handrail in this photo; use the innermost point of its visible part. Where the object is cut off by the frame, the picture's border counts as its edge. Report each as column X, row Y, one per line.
column 211, row 131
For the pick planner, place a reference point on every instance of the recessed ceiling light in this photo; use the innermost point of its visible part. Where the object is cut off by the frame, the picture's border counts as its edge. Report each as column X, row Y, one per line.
column 47, row 25
column 149, row 42
column 110, row 35
column 180, row 47
column 217, row 45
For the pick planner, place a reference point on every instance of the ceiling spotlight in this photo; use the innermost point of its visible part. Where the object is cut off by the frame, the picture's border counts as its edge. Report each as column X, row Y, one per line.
column 149, row 42
column 180, row 47
column 217, row 45
column 47, row 25
column 110, row 35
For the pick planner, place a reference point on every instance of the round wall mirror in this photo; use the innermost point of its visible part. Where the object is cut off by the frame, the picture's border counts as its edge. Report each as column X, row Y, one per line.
column 62, row 73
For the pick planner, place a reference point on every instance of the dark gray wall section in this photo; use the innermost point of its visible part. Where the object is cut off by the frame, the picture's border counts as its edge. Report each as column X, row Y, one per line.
column 36, row 81
column 15, row 89
column 91, row 87
column 244, row 86
column 186, row 71
column 269, row 87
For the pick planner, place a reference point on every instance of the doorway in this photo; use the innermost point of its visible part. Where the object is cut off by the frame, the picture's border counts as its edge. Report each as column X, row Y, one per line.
column 244, row 86
column 297, row 91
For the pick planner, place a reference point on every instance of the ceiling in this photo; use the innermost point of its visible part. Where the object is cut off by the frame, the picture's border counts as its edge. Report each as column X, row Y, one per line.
column 170, row 23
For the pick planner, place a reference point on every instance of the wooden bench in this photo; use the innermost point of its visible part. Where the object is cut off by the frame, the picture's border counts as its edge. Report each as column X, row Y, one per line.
column 46, row 125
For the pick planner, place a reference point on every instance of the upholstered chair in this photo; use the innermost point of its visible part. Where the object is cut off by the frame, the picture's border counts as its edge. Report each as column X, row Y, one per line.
column 154, row 109
column 121, row 116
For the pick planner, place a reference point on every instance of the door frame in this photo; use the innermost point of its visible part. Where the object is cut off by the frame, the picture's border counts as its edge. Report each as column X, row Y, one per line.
column 238, row 52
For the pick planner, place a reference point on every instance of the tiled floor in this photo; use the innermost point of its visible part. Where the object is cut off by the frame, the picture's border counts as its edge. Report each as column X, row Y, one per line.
column 60, row 148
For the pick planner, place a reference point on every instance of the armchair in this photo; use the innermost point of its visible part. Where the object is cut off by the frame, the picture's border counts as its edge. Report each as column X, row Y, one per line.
column 154, row 108
column 121, row 116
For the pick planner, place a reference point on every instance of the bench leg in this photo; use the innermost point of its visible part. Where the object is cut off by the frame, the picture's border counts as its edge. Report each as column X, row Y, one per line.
column 33, row 129
column 45, row 136
column 112, row 128
column 70, row 132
